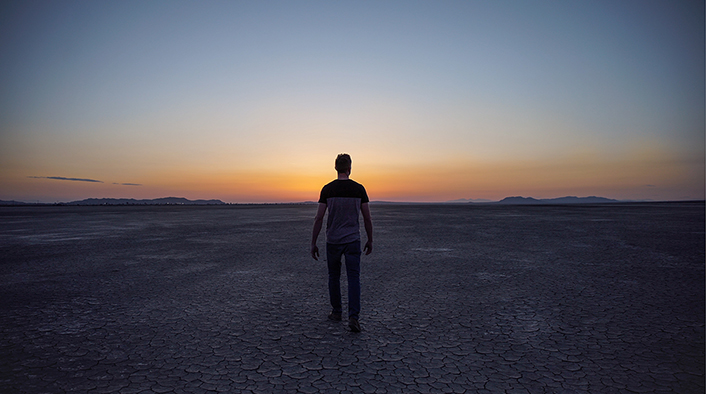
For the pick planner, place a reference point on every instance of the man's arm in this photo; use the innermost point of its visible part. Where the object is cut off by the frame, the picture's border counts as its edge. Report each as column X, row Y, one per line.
column 318, row 223
column 368, row 222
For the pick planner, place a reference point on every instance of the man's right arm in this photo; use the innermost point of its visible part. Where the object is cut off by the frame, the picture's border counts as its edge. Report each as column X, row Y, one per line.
column 368, row 222
column 318, row 223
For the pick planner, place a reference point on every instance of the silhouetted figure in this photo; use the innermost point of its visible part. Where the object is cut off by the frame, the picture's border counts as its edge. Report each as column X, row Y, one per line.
column 345, row 199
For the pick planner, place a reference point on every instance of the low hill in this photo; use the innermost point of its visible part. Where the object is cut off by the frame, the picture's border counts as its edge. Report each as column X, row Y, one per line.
column 156, row 201
column 561, row 200
column 464, row 200
column 13, row 202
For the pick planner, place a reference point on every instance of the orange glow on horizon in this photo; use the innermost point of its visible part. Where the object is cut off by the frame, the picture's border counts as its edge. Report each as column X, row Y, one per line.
column 645, row 174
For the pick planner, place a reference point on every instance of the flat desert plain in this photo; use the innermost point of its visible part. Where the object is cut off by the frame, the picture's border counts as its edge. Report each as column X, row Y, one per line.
column 456, row 298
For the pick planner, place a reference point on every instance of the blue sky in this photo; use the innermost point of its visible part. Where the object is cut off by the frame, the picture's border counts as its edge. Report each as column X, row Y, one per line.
column 251, row 101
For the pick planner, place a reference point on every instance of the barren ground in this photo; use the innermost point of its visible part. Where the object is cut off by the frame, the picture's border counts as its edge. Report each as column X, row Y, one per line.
column 456, row 298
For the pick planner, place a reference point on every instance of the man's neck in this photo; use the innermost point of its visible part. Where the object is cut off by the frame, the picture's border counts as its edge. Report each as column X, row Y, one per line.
column 343, row 176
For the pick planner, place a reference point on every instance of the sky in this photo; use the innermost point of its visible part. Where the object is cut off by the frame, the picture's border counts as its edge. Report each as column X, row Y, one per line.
column 251, row 101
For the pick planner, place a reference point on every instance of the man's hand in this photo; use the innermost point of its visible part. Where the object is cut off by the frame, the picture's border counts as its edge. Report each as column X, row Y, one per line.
column 368, row 222
column 318, row 222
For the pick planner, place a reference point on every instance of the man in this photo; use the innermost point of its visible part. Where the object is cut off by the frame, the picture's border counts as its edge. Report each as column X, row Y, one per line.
column 345, row 199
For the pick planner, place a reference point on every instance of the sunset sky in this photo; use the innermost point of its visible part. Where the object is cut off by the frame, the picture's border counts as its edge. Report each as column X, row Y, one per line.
column 251, row 101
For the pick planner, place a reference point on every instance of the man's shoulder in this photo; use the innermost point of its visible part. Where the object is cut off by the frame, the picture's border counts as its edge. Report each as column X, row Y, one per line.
column 360, row 187
column 329, row 186
column 343, row 188
column 343, row 183
column 347, row 184
column 356, row 183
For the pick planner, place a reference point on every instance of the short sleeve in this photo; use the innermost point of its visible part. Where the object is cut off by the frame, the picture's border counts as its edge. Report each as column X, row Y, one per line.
column 323, row 196
column 364, row 196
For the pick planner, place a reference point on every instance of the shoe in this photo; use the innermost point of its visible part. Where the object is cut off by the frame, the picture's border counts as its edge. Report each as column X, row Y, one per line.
column 354, row 325
column 334, row 316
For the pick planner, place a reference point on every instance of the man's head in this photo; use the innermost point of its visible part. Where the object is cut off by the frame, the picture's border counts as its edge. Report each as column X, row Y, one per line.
column 343, row 163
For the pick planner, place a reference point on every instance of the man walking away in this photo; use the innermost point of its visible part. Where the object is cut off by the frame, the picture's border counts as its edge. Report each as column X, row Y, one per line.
column 345, row 199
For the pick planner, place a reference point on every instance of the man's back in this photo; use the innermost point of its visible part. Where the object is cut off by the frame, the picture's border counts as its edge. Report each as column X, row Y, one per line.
column 343, row 198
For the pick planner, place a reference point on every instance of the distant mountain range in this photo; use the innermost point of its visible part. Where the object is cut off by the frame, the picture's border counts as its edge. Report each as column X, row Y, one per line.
column 128, row 201
column 471, row 200
column 561, row 200
column 517, row 200
column 13, row 202
column 155, row 201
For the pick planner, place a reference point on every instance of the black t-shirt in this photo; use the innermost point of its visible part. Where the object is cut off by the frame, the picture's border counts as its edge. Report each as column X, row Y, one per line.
column 343, row 198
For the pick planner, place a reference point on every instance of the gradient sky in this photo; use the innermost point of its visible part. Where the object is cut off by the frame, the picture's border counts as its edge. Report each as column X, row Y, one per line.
column 434, row 100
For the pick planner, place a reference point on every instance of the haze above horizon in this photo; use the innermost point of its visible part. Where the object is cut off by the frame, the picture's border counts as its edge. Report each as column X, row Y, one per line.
column 435, row 101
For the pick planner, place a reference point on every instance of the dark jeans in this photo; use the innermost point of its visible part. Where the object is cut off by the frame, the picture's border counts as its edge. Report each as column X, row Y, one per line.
column 334, row 253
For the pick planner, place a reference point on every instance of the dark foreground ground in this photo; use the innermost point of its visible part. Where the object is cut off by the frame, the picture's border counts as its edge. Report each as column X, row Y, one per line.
column 456, row 298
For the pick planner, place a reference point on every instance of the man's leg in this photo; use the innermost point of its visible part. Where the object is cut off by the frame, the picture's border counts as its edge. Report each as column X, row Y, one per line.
column 352, row 252
column 333, row 256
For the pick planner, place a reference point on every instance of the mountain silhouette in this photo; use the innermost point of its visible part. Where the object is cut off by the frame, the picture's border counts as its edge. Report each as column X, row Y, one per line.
column 518, row 200
column 156, row 201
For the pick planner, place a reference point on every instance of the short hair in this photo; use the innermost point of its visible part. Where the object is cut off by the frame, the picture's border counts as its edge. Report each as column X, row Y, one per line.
column 343, row 162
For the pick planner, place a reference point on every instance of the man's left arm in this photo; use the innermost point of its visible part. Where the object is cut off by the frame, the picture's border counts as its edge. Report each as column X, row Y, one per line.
column 318, row 223
column 368, row 222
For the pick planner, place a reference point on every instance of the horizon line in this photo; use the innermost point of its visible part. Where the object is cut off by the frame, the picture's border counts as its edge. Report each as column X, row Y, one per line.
column 214, row 201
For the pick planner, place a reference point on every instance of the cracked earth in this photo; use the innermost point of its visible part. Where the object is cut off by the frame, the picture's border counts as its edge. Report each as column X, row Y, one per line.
column 455, row 299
